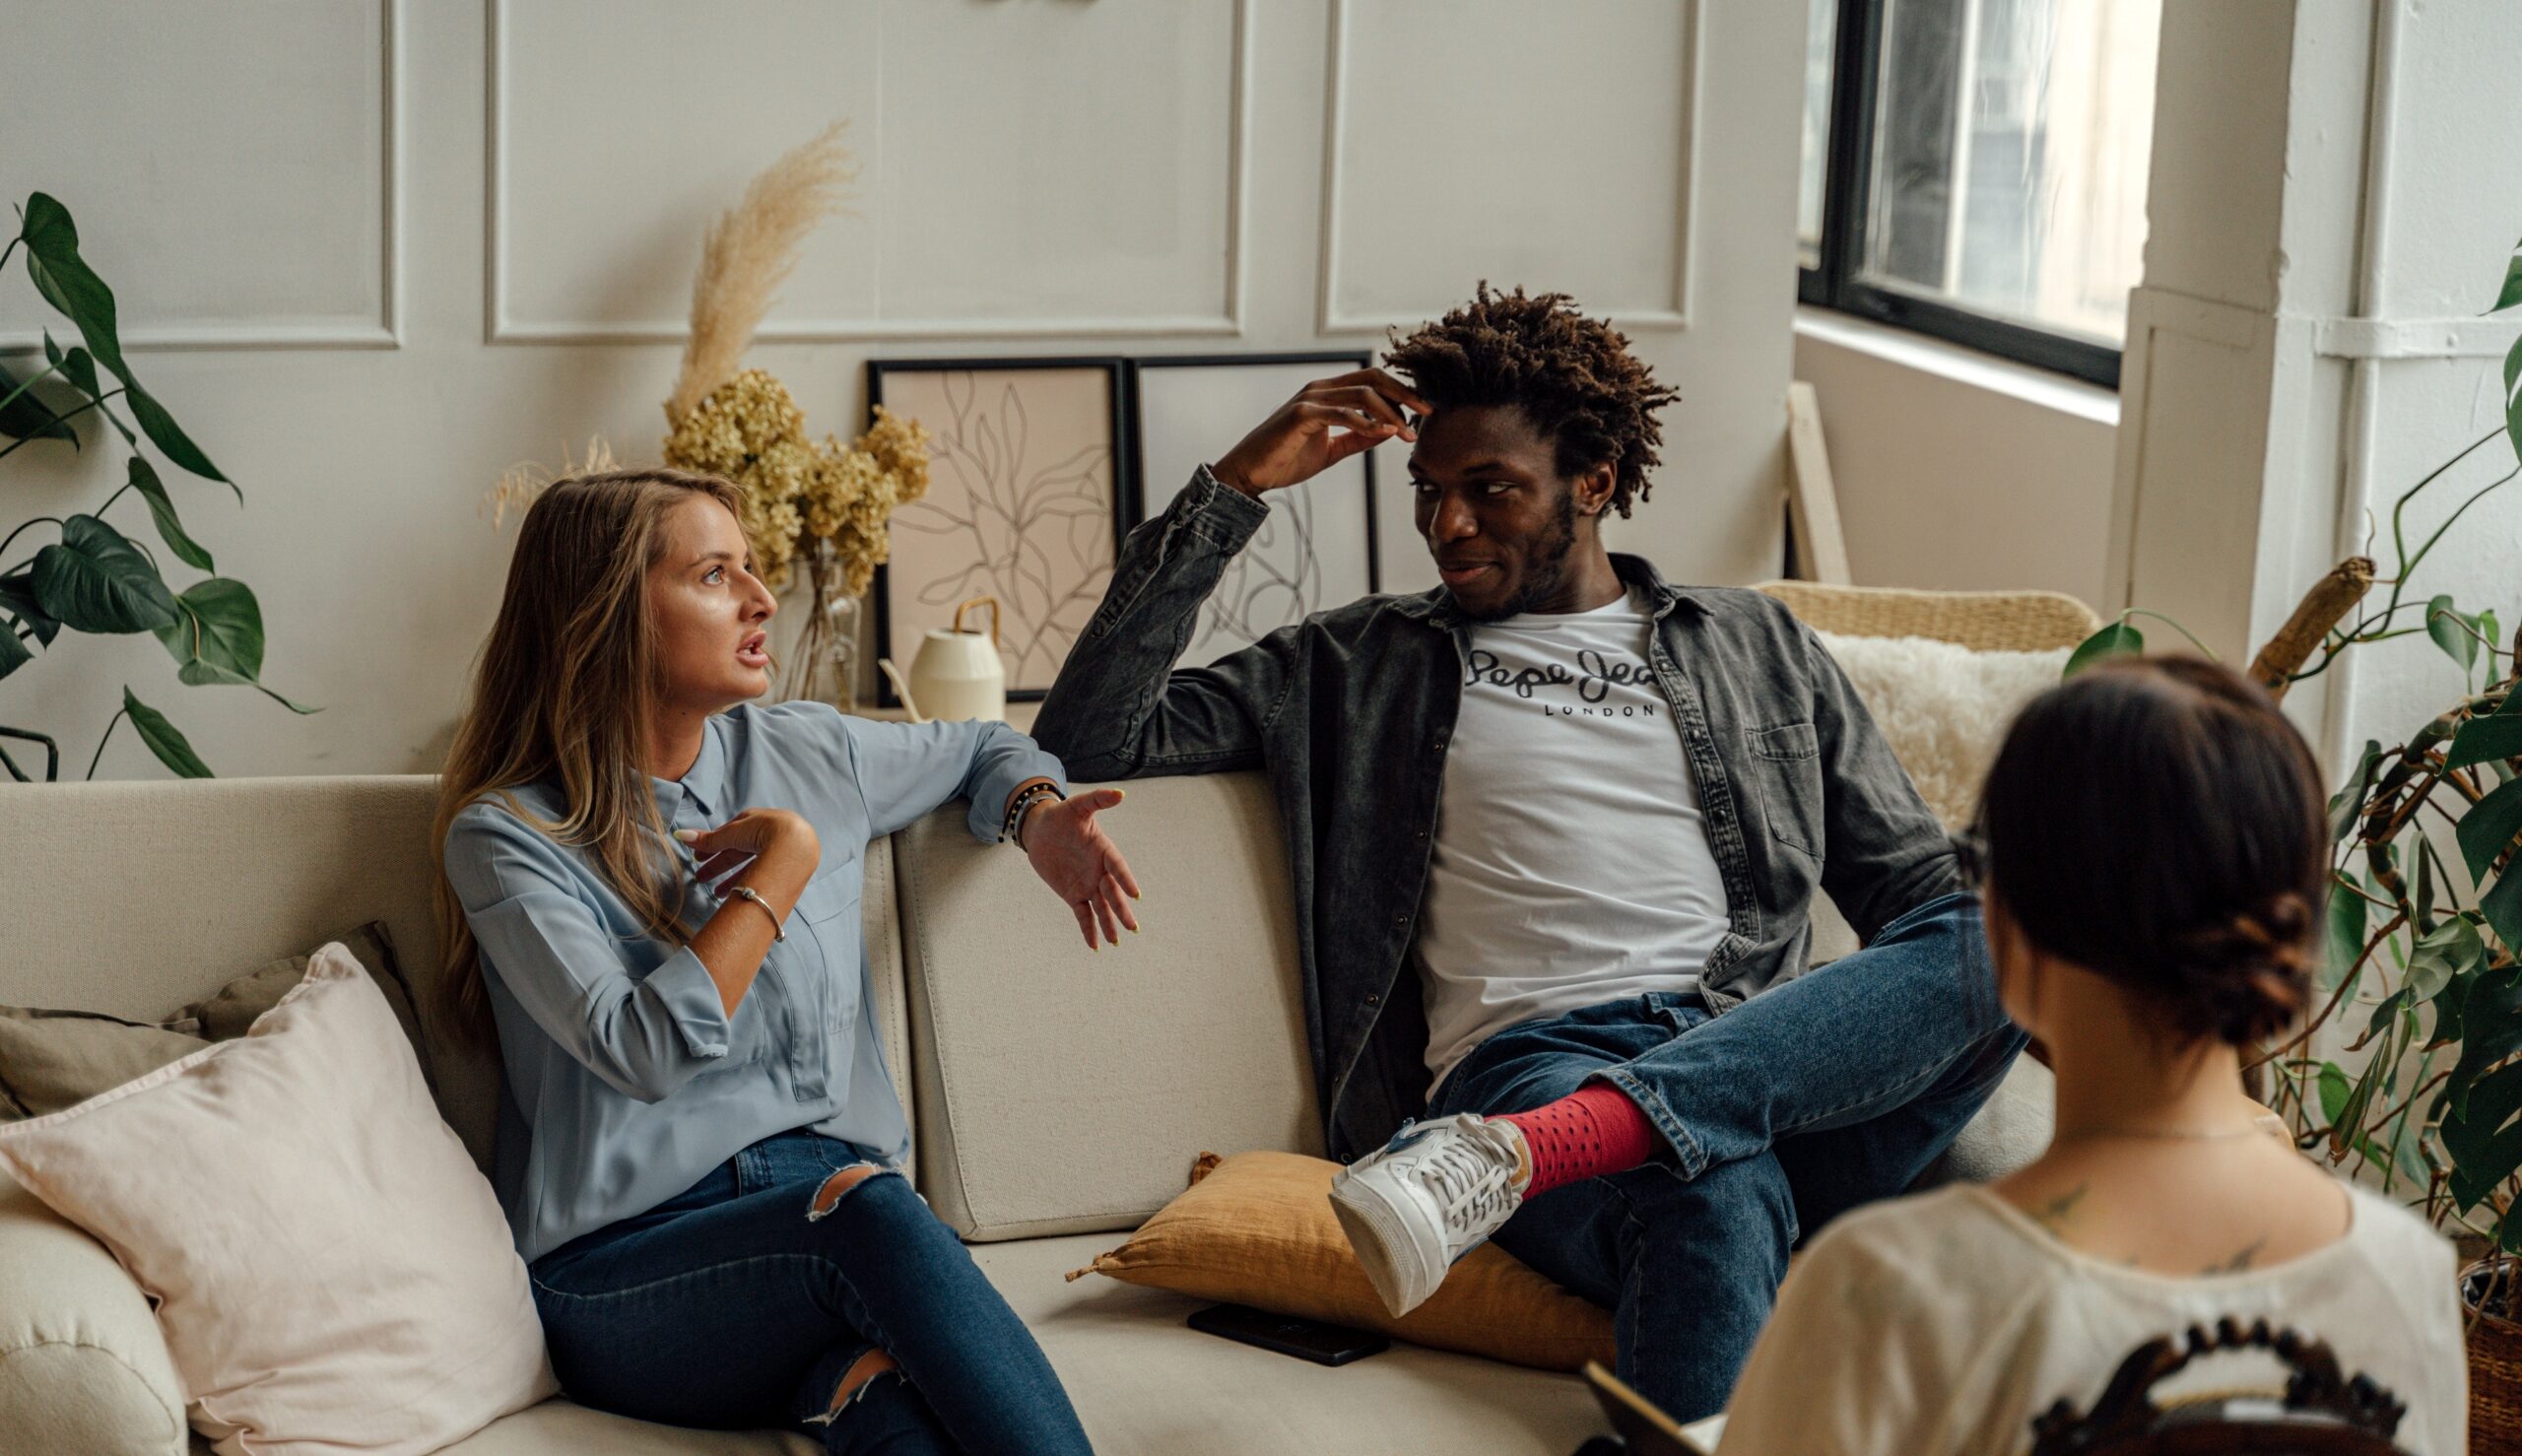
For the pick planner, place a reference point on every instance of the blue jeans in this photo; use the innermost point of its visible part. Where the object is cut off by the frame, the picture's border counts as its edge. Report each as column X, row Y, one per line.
column 751, row 1299
column 1835, row 1089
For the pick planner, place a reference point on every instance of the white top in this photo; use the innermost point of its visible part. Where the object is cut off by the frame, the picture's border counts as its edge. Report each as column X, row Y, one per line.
column 1946, row 1322
column 1571, row 866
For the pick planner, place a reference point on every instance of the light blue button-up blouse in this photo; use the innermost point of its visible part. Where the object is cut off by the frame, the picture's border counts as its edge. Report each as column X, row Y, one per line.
column 626, row 1081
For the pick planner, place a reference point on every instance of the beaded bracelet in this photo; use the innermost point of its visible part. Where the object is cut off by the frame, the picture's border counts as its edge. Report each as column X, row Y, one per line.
column 1022, row 805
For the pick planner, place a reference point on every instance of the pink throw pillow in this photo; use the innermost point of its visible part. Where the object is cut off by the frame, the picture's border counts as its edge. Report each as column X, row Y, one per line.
column 331, row 1272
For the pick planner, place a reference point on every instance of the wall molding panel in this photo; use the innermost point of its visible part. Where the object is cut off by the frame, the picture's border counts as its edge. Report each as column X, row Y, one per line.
column 386, row 330
column 509, row 316
column 1339, row 311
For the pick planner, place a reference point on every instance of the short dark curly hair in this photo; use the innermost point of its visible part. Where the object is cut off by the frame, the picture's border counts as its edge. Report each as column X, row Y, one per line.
column 1572, row 376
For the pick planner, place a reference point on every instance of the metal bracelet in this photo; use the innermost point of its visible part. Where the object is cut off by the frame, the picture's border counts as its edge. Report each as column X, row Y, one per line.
column 778, row 932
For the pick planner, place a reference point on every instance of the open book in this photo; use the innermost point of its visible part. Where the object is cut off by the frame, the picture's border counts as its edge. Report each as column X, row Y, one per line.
column 1646, row 1429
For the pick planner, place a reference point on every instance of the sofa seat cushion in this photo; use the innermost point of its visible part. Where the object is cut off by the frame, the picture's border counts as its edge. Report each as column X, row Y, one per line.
column 1147, row 1385
column 1144, row 1382
column 557, row 1427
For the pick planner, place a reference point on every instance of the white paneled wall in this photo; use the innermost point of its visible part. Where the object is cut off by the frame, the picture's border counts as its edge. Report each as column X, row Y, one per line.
column 238, row 192
column 379, row 250
column 1600, row 100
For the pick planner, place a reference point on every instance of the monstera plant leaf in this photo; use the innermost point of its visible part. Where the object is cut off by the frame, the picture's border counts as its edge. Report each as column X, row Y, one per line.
column 68, row 284
column 24, row 417
column 217, row 637
column 95, row 580
column 2118, row 640
column 168, row 745
column 161, row 509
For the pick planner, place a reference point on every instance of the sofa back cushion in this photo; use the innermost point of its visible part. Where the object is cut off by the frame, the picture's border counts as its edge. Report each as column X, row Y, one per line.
column 1067, row 1091
column 138, row 898
column 135, row 898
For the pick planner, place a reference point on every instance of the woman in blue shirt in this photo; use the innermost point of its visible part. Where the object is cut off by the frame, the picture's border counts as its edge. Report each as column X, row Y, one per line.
column 652, row 895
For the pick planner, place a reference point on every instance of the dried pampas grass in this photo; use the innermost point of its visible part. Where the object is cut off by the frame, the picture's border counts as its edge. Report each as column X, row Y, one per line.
column 520, row 484
column 749, row 253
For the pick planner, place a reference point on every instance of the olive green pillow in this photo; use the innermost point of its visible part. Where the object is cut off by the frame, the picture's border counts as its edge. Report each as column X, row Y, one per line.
column 50, row 1060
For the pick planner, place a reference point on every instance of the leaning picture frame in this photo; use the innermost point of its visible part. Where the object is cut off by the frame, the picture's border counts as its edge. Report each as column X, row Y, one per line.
column 1319, row 547
column 1028, row 479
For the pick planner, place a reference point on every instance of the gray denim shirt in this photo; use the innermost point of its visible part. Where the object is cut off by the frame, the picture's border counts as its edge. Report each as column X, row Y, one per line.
column 1350, row 712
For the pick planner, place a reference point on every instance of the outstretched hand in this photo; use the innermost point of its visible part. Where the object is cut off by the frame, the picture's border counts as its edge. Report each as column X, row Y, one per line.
column 1082, row 865
column 1329, row 421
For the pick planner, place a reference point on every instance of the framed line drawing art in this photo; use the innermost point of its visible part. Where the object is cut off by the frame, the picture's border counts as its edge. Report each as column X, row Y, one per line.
column 1024, row 504
column 1317, row 549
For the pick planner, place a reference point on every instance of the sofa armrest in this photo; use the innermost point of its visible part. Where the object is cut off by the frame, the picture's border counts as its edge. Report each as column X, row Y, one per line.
column 83, row 1365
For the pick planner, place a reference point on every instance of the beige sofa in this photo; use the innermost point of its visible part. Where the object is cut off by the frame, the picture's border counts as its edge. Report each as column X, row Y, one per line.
column 1058, row 1098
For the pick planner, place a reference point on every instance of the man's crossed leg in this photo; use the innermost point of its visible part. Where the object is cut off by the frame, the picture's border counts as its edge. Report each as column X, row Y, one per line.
column 1838, row 1087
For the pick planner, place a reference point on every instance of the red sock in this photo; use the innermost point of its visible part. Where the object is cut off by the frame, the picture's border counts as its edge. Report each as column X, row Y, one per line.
column 1592, row 1131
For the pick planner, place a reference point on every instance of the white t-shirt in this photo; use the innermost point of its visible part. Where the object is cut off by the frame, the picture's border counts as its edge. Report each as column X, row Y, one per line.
column 1570, row 865
column 1944, row 1323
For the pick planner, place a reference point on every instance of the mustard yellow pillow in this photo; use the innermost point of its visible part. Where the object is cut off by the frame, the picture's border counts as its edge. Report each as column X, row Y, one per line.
column 1257, row 1228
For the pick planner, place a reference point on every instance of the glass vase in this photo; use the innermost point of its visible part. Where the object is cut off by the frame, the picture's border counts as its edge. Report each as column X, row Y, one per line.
column 824, row 667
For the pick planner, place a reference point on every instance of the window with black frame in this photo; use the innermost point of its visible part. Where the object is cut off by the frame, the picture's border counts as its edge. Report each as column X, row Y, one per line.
column 1975, row 170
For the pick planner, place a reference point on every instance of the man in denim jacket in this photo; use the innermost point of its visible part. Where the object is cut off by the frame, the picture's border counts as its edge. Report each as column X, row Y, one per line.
column 1554, row 828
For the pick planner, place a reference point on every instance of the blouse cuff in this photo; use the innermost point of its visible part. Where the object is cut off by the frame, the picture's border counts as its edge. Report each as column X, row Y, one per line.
column 690, row 999
column 1020, row 764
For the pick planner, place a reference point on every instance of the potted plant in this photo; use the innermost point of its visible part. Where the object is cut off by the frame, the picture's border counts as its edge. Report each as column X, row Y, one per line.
column 2424, row 921
column 90, row 577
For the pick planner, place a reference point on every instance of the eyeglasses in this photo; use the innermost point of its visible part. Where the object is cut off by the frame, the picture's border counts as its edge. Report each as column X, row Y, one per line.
column 1970, row 856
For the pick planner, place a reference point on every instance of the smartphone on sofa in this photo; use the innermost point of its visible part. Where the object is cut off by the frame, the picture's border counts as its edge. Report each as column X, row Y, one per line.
column 1305, row 1338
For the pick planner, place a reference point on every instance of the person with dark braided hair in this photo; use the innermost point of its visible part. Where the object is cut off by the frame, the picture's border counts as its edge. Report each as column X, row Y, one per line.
column 2155, row 854
column 1555, row 829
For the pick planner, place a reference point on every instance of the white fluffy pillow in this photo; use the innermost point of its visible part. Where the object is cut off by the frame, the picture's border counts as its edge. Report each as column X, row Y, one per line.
column 332, row 1273
column 1943, row 708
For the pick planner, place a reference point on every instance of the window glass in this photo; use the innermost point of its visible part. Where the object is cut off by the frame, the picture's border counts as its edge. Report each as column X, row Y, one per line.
column 2011, row 143
column 1819, row 43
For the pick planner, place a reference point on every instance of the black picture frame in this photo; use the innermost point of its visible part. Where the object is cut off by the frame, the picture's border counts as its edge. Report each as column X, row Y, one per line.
column 1116, row 374
column 1339, row 361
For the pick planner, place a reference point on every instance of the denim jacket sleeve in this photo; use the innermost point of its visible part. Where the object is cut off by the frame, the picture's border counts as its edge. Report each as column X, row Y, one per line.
column 1119, row 709
column 643, row 1036
column 1887, row 853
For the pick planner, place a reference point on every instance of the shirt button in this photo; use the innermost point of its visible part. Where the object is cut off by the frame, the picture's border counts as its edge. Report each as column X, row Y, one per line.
column 1373, row 1000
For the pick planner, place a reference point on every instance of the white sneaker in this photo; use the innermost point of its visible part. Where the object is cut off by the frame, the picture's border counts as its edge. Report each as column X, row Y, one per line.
column 1435, row 1193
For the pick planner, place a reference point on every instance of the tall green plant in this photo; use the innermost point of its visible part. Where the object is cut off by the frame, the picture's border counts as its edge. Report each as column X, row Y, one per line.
column 91, row 577
column 2425, row 912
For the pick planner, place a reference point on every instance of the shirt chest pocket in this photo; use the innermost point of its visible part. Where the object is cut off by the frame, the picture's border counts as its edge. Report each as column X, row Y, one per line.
column 828, row 911
column 1787, row 758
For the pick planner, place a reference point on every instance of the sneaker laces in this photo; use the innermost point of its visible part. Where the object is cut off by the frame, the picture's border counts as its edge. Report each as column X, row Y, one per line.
column 1465, row 1174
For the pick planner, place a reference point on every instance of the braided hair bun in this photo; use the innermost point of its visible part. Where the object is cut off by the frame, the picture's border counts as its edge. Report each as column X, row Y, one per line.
column 2158, row 822
column 2247, row 976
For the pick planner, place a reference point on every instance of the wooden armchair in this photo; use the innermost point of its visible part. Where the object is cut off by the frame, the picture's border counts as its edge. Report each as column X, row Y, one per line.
column 2322, row 1412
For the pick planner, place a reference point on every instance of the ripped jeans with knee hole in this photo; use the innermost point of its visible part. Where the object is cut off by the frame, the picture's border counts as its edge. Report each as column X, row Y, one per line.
column 802, row 1285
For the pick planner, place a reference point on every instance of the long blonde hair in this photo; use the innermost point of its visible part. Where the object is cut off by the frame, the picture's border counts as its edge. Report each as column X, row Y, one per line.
column 564, row 693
